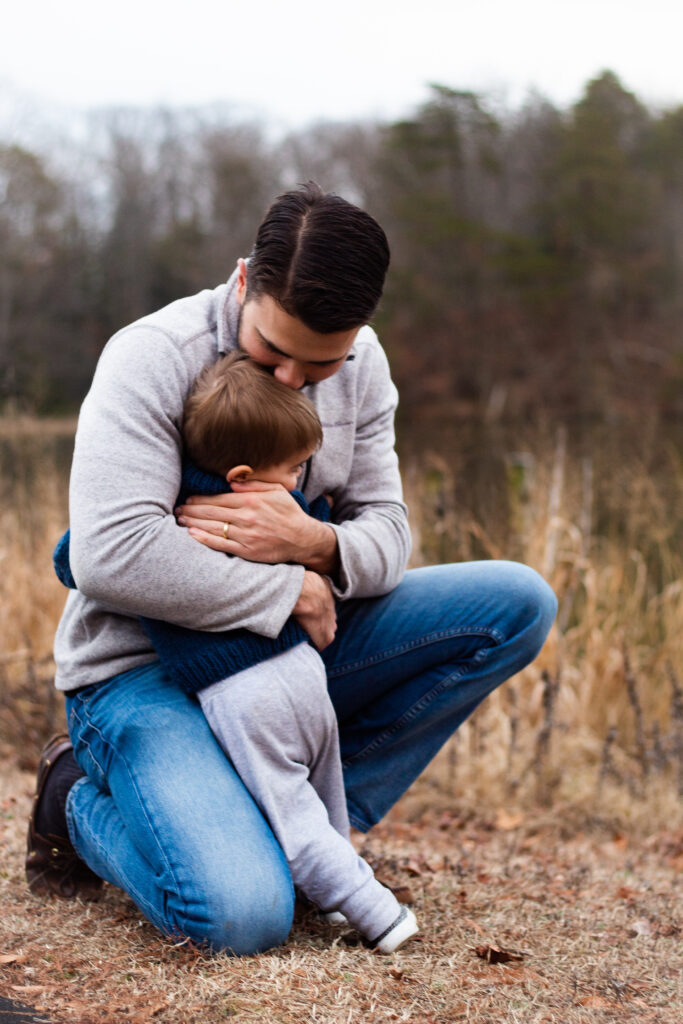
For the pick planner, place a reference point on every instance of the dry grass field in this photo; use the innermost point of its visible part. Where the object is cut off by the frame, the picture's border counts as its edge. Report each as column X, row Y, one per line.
column 542, row 850
column 526, row 919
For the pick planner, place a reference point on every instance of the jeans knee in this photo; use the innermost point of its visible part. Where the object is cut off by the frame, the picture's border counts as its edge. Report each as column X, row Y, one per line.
column 243, row 921
column 537, row 603
column 252, row 928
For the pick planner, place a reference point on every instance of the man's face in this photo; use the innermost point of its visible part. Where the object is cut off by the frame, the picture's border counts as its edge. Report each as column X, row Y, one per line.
column 273, row 338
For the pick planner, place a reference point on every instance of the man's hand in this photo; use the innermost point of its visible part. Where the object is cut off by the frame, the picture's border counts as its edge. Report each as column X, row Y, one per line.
column 315, row 610
column 262, row 523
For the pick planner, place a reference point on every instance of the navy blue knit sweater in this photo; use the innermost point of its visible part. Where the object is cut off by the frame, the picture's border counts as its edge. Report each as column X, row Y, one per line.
column 192, row 658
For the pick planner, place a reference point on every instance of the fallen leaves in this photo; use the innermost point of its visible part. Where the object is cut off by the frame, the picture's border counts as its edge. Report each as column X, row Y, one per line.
column 12, row 958
column 424, row 865
column 506, row 822
column 28, row 989
column 530, row 901
column 642, row 927
column 497, row 955
column 598, row 1003
column 157, row 1008
column 403, row 894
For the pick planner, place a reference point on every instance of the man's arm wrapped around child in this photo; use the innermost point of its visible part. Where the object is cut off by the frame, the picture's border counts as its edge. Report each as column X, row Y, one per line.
column 193, row 658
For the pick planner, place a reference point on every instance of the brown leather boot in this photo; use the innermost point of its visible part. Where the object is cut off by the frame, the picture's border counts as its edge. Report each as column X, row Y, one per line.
column 53, row 868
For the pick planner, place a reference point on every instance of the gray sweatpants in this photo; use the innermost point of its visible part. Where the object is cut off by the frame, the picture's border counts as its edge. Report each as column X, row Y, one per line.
column 277, row 724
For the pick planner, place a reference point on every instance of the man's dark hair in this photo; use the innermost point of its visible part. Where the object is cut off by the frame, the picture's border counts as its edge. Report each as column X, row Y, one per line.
column 321, row 258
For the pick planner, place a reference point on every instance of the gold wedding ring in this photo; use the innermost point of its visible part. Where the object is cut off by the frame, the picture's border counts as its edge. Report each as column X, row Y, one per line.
column 226, row 527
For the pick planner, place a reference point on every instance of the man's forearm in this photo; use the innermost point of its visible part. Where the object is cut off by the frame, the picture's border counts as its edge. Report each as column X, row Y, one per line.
column 373, row 552
column 323, row 553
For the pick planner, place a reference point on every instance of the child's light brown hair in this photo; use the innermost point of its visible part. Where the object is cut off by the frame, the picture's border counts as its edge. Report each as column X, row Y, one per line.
column 238, row 414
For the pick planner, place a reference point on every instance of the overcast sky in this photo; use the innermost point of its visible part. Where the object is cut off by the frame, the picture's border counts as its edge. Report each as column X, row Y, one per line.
column 291, row 63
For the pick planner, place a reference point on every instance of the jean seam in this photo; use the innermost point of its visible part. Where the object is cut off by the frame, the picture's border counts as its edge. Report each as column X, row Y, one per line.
column 360, row 823
column 73, row 713
column 413, row 711
column 147, row 907
column 393, row 652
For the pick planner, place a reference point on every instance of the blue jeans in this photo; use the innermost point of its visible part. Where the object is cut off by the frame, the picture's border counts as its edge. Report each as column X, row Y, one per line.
column 161, row 812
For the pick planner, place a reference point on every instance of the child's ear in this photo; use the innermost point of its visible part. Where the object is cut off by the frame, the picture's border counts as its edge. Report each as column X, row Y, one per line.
column 239, row 474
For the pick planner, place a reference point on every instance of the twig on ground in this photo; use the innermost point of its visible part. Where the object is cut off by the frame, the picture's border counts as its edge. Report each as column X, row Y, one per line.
column 543, row 785
column 676, row 723
column 634, row 701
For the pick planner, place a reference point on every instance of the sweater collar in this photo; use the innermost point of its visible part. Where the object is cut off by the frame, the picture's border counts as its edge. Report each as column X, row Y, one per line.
column 228, row 317
column 197, row 481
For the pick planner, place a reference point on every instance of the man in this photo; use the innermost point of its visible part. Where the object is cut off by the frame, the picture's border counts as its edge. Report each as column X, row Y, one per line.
column 160, row 811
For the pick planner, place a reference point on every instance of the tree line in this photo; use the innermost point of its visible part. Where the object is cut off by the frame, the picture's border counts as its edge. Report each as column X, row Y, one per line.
column 537, row 254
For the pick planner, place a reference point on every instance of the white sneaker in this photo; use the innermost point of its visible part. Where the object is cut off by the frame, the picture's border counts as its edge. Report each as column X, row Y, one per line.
column 403, row 928
column 335, row 917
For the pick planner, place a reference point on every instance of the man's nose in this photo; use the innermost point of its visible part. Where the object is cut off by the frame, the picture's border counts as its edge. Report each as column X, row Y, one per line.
column 290, row 373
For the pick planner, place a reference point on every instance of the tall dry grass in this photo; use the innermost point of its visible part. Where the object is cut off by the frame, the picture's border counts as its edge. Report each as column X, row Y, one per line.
column 596, row 722
column 32, row 518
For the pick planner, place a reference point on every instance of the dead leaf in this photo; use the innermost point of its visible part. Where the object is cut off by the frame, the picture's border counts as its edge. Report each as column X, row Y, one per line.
column 641, row 927
column 496, row 955
column 413, row 868
column 511, row 976
column 668, row 930
column 12, row 958
column 28, row 989
column 396, row 973
column 78, row 1009
column 402, row 893
column 506, row 821
column 598, row 1003
column 434, row 864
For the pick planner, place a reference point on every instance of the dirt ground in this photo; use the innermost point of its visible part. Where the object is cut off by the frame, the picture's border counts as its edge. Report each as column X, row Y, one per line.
column 546, row 918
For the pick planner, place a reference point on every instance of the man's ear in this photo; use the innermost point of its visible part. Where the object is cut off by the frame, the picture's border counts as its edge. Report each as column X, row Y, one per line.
column 239, row 474
column 241, row 280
